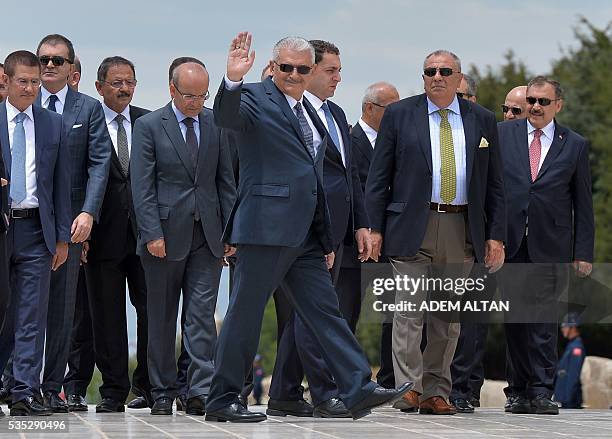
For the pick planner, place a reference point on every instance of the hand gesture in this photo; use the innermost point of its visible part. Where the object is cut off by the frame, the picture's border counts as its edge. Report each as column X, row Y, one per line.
column 239, row 60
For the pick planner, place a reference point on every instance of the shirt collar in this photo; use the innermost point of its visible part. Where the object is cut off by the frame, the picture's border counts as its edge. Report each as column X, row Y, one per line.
column 61, row 95
column 548, row 130
column 314, row 100
column 453, row 106
column 370, row 132
column 180, row 116
column 110, row 115
column 12, row 112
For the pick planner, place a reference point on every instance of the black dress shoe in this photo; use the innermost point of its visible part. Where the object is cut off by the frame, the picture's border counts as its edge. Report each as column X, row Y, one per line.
column 1, row 412
column 234, row 413
column 509, row 401
column 521, row 405
column 29, row 407
column 162, row 406
column 378, row 397
column 475, row 401
column 5, row 395
column 462, row 405
column 53, row 401
column 544, row 406
column 332, row 408
column 196, row 405
column 301, row 408
column 76, row 403
column 139, row 402
column 109, row 405
column 244, row 401
column 181, row 403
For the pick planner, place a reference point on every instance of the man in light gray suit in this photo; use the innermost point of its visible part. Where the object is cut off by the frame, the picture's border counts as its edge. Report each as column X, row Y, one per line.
column 183, row 190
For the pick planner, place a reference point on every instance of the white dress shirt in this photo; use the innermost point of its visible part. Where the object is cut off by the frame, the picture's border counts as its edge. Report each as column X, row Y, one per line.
column 180, row 117
column 61, row 98
column 548, row 133
column 31, row 199
column 316, row 137
column 456, row 123
column 112, row 125
column 370, row 132
column 318, row 106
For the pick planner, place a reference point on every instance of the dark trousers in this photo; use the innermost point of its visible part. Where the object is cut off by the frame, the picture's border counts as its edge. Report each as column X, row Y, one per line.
column 467, row 371
column 4, row 277
column 385, row 376
column 197, row 275
column 350, row 294
column 81, row 360
column 259, row 271
column 23, row 333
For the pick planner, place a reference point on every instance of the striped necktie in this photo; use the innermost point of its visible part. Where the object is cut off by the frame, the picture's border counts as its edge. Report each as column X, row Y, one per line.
column 448, row 171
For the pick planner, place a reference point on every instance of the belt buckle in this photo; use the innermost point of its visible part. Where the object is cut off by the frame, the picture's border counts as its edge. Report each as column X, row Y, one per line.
column 16, row 214
column 438, row 209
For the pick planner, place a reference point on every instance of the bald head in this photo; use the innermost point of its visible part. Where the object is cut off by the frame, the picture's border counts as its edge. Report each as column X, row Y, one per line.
column 375, row 99
column 189, row 88
column 515, row 100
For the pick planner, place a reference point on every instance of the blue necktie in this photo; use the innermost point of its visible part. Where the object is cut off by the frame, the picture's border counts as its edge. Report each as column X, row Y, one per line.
column 52, row 101
column 18, row 161
column 306, row 131
column 331, row 126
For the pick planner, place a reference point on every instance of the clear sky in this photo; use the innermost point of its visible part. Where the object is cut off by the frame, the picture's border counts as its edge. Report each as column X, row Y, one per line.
column 378, row 40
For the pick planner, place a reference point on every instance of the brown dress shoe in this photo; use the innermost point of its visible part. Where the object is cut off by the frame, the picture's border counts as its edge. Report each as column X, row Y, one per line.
column 436, row 405
column 409, row 402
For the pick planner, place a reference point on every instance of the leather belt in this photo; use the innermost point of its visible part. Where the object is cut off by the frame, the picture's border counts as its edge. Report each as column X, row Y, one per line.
column 448, row 208
column 24, row 213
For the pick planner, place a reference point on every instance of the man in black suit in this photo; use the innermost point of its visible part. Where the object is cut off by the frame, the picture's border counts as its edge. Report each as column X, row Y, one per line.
column 550, row 222
column 183, row 189
column 3, row 85
column 349, row 222
column 435, row 176
column 281, row 225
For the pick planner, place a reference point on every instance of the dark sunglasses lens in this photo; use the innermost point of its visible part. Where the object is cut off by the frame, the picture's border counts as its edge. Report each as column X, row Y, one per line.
column 516, row 111
column 445, row 71
column 56, row 60
column 461, row 95
column 286, row 68
column 544, row 101
column 303, row 70
column 530, row 100
column 505, row 108
column 430, row 71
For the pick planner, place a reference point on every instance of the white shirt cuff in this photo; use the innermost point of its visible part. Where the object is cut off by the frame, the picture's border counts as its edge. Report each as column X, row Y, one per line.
column 231, row 85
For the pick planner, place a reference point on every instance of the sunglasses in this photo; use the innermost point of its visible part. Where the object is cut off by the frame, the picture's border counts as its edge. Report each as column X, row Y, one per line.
column 465, row 95
column 515, row 110
column 431, row 71
column 56, row 60
column 544, row 102
column 288, row 68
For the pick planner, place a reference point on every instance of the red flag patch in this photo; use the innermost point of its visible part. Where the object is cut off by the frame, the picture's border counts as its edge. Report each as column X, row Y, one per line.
column 577, row 352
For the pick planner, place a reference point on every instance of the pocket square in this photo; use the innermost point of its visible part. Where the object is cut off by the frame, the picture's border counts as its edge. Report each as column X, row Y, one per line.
column 77, row 126
column 483, row 143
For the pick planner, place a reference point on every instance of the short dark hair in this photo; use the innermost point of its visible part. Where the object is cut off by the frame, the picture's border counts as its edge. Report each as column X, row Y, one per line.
column 180, row 61
column 54, row 40
column 77, row 64
column 541, row 80
column 321, row 47
column 111, row 61
column 20, row 58
column 1, row 66
column 471, row 84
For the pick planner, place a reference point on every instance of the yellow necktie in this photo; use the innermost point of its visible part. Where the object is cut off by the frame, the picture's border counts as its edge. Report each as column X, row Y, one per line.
column 448, row 173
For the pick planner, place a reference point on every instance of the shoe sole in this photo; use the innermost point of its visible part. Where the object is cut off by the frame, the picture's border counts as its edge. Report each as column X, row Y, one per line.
column 282, row 413
column 57, row 410
column 161, row 412
column 195, row 412
column 78, row 409
column 331, row 416
column 409, row 410
column 119, row 410
column 366, row 411
column 213, row 418
column 426, row 411
column 26, row 413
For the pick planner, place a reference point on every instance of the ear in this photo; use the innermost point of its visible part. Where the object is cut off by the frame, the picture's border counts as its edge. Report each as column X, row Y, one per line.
column 99, row 87
column 559, row 105
column 172, row 90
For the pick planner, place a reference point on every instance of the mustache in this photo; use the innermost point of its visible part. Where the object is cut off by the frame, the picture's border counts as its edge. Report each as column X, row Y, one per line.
column 123, row 95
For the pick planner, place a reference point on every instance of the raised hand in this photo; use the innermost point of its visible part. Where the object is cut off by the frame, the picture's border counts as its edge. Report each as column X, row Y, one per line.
column 240, row 59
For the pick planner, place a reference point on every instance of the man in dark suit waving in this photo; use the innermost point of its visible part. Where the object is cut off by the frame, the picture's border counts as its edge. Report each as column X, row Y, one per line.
column 435, row 176
column 550, row 220
column 281, row 226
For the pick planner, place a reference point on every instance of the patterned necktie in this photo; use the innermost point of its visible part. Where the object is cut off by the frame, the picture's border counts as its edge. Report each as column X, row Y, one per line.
column 306, row 131
column 18, row 161
column 52, row 100
column 535, row 152
column 331, row 126
column 123, row 152
column 448, row 171
column 191, row 139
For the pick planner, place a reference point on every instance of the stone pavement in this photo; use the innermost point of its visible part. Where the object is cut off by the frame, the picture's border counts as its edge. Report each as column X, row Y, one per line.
column 385, row 423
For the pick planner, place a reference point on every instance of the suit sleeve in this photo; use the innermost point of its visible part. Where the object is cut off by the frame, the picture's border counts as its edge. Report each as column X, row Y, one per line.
column 381, row 172
column 360, row 214
column 144, row 189
column 495, row 201
column 226, row 184
column 62, row 190
column 3, row 196
column 584, row 222
column 235, row 109
column 98, row 162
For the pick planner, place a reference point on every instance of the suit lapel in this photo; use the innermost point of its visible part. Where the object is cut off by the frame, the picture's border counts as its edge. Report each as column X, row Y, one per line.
column 555, row 148
column 471, row 141
column 39, row 133
column 205, row 135
column 422, row 127
column 363, row 143
column 325, row 138
column 4, row 139
column 343, row 132
column 72, row 107
column 280, row 100
column 521, row 144
column 171, row 126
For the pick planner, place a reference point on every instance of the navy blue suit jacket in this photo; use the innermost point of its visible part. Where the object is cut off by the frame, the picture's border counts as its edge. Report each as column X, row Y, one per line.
column 280, row 189
column 398, row 189
column 559, row 202
column 52, row 173
column 90, row 146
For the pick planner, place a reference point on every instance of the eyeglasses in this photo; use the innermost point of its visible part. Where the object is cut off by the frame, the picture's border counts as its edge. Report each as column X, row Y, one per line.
column 189, row 97
column 431, row 71
column 56, row 60
column 378, row 105
column 129, row 83
column 464, row 95
column 544, row 102
column 288, row 68
column 24, row 83
column 515, row 110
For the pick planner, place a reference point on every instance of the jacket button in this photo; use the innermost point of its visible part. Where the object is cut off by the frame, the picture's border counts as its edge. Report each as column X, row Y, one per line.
column 347, row 199
column 314, row 192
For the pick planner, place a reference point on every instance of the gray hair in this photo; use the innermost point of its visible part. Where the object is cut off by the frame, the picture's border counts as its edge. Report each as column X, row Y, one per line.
column 372, row 93
column 297, row 44
column 441, row 52
column 471, row 84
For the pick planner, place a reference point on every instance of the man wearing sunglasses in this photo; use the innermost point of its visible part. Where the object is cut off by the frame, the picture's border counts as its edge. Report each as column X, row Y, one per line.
column 467, row 88
column 550, row 223
column 435, row 175
column 515, row 105
column 85, row 133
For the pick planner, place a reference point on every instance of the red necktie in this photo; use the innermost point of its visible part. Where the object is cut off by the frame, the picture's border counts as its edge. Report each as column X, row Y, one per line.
column 535, row 152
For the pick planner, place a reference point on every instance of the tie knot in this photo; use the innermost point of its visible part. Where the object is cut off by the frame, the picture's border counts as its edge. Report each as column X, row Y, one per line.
column 188, row 121
column 443, row 113
column 119, row 119
column 537, row 134
column 325, row 107
column 20, row 118
column 298, row 107
column 53, row 99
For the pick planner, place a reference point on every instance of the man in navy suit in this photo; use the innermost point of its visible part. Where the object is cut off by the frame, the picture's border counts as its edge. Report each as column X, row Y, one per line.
column 282, row 228
column 435, row 190
column 85, row 133
column 550, row 222
column 38, row 167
